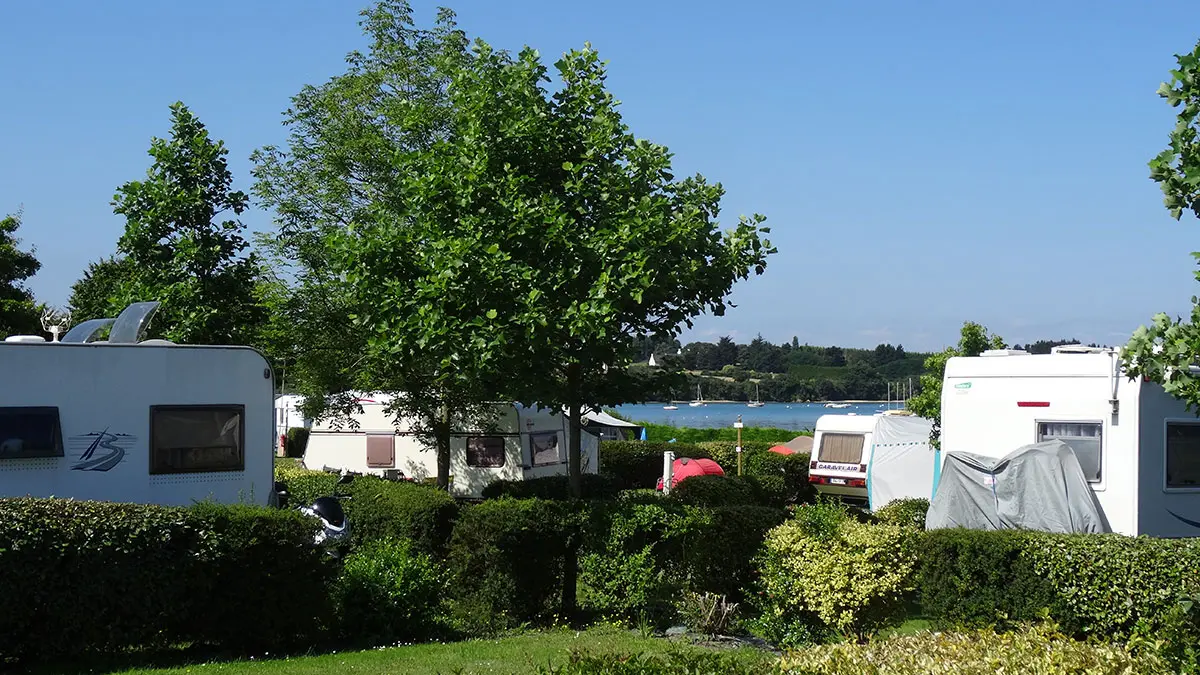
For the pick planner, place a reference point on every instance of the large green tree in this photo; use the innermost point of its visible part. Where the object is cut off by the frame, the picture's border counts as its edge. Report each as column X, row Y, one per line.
column 96, row 294
column 179, row 247
column 387, row 295
column 19, row 313
column 973, row 341
column 1167, row 349
column 491, row 239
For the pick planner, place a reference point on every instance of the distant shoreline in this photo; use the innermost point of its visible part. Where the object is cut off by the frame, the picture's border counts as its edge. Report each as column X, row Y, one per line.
column 855, row 401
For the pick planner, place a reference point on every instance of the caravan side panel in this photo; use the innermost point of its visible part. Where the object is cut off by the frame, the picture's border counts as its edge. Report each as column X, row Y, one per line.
column 1168, row 467
column 114, row 401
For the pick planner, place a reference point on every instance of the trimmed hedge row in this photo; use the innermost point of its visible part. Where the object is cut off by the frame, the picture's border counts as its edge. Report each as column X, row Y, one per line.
column 1093, row 585
column 379, row 508
column 638, row 464
column 595, row 486
column 507, row 558
column 98, row 576
column 640, row 555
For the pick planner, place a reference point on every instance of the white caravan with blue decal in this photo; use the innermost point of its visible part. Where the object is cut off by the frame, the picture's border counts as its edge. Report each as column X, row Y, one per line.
column 126, row 420
column 1138, row 446
column 873, row 459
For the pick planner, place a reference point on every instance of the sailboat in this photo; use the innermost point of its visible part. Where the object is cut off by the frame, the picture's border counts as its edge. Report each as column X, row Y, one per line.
column 699, row 398
column 670, row 406
column 756, row 403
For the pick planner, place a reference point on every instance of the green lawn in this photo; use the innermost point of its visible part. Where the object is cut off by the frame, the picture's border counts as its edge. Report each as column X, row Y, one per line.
column 518, row 654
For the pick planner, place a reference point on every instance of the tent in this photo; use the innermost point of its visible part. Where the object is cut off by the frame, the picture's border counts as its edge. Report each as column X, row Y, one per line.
column 781, row 450
column 902, row 462
column 685, row 467
column 610, row 428
column 1040, row 486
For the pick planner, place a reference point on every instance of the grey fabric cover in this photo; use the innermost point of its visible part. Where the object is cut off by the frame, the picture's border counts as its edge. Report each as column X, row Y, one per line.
column 1036, row 487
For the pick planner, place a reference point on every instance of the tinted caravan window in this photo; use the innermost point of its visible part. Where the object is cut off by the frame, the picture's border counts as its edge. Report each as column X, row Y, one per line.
column 30, row 433
column 189, row 439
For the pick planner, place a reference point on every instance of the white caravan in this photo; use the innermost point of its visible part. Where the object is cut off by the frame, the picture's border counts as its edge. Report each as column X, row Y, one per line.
column 1138, row 446
column 135, row 421
column 873, row 459
column 524, row 443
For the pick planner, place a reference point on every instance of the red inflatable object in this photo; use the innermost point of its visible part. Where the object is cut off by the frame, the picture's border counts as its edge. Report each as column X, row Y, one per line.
column 685, row 467
column 782, row 449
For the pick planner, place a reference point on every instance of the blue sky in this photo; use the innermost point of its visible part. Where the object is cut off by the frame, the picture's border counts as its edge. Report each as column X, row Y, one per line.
column 921, row 163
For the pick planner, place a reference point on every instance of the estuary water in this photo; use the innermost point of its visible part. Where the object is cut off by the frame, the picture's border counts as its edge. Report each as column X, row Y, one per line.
column 798, row 416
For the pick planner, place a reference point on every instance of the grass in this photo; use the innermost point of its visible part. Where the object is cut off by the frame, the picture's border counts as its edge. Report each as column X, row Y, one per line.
column 521, row 653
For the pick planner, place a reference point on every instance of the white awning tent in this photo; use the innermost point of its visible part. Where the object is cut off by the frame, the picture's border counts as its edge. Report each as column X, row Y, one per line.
column 902, row 461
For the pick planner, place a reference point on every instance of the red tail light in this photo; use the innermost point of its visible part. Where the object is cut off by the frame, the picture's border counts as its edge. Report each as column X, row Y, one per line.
column 1033, row 404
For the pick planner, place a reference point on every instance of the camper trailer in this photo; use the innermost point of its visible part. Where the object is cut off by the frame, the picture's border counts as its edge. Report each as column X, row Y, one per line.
column 1139, row 448
column 872, row 459
column 519, row 444
column 136, row 421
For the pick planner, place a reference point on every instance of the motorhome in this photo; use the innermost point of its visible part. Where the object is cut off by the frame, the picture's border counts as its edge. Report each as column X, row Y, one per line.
column 131, row 420
column 519, row 444
column 872, row 459
column 1138, row 446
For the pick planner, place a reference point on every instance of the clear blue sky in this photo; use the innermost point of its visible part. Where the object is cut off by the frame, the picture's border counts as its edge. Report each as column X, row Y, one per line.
column 921, row 163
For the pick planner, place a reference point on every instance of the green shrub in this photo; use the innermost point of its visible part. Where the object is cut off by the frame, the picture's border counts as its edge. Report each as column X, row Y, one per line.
column 383, row 509
column 978, row 578
column 675, row 662
column 1038, row 649
column 304, row 485
column 639, row 556
column 665, row 432
column 629, row 566
column 295, row 442
column 388, row 592
column 759, row 461
column 910, row 511
column 727, row 491
column 850, row 576
column 507, row 559
column 1112, row 585
column 720, row 545
column 595, row 486
column 97, row 576
column 639, row 464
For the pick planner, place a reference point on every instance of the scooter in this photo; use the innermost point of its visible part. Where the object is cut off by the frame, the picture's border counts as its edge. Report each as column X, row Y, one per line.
column 335, row 526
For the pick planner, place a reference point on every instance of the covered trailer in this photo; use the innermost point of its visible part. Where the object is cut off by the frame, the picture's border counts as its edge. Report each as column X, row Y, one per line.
column 1138, row 447
column 127, row 420
column 873, row 459
column 519, row 444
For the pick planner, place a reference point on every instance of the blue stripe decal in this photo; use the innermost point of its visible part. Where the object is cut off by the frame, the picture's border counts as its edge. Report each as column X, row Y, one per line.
column 1184, row 520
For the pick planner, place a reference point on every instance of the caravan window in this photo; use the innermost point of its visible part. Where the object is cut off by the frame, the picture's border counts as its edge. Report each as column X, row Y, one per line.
column 543, row 447
column 841, row 448
column 485, row 452
column 1183, row 455
column 190, row 438
column 1084, row 439
column 30, row 433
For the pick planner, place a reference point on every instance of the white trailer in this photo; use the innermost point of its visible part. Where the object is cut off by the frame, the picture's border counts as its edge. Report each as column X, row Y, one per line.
column 520, row 444
column 135, row 421
column 1138, row 446
column 873, row 459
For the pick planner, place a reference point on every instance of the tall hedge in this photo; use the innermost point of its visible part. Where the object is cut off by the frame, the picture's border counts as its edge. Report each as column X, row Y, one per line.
column 638, row 464
column 640, row 555
column 507, row 559
column 379, row 508
column 98, row 576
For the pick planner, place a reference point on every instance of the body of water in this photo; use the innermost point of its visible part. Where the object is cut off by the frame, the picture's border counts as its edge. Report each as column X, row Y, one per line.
column 798, row 416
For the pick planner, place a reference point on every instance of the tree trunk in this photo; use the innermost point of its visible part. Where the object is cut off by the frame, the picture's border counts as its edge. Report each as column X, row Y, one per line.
column 443, row 449
column 574, row 468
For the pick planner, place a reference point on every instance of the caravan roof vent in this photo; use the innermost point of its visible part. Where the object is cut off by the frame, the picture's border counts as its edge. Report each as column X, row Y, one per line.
column 1076, row 349
column 132, row 322
column 1004, row 352
column 24, row 338
column 156, row 343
